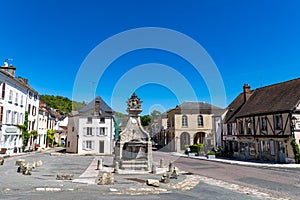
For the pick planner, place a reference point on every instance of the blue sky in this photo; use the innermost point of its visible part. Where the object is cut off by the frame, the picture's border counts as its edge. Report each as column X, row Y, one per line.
column 254, row 42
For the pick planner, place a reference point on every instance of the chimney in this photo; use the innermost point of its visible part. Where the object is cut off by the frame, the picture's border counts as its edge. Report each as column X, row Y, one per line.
column 97, row 106
column 247, row 92
column 9, row 69
column 23, row 80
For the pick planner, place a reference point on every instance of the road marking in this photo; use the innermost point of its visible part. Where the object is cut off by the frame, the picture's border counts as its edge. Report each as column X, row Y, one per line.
column 239, row 188
column 42, row 189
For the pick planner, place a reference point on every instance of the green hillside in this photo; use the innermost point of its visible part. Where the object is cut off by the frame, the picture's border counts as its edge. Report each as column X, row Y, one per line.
column 63, row 104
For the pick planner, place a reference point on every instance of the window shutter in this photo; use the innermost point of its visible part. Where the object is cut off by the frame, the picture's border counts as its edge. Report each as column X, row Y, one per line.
column 93, row 131
column 93, row 145
column 3, row 90
column 98, row 131
column 84, row 130
column 83, row 145
column 1, row 114
column 106, row 131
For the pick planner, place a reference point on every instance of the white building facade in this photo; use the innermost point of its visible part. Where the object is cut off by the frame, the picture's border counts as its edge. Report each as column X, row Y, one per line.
column 12, row 110
column 91, row 130
column 16, row 97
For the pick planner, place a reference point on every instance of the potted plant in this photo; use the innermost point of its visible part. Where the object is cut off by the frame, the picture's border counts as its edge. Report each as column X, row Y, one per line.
column 211, row 154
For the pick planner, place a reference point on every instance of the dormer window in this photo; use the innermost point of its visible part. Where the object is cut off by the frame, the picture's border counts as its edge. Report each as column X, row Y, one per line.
column 102, row 120
column 89, row 120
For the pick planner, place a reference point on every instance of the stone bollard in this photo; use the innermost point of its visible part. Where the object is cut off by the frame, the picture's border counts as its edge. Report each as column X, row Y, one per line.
column 20, row 162
column 161, row 163
column 1, row 160
column 165, row 178
column 100, row 164
column 170, row 167
column 39, row 163
column 175, row 174
column 153, row 169
column 26, row 169
column 116, row 168
column 106, row 179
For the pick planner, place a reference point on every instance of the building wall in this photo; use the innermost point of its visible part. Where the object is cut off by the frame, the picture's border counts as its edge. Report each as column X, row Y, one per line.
column 71, row 145
column 32, row 108
column 254, row 139
column 175, row 130
column 96, row 137
column 12, row 111
column 42, row 129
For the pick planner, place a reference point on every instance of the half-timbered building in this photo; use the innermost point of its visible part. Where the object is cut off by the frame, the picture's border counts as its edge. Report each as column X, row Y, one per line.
column 260, row 124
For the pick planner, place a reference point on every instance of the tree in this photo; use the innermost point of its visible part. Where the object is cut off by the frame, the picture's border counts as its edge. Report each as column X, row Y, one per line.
column 50, row 136
column 154, row 114
column 145, row 120
column 24, row 130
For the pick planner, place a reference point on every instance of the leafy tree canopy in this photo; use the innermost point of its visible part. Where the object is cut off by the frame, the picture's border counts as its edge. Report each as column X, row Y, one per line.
column 154, row 114
column 63, row 104
column 145, row 120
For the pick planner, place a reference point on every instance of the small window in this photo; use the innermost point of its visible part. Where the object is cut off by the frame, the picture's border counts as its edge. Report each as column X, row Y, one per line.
column 249, row 127
column 184, row 121
column 102, row 131
column 200, row 120
column 102, row 120
column 89, row 130
column 21, row 104
column 89, row 120
column 241, row 127
column 89, row 144
column 10, row 98
column 69, row 143
column 73, row 129
column 16, row 99
column 229, row 129
column 278, row 122
column 29, row 107
column 263, row 123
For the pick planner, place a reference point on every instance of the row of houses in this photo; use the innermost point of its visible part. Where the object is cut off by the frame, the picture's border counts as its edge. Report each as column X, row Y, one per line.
column 19, row 103
column 258, row 124
column 261, row 123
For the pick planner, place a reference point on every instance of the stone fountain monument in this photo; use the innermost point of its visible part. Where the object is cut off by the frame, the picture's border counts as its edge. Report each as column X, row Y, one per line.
column 133, row 149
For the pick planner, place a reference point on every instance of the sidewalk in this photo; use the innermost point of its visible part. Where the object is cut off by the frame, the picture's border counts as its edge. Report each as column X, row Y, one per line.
column 27, row 153
column 239, row 162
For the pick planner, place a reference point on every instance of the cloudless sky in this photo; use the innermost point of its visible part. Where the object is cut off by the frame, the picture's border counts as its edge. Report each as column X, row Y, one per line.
column 255, row 42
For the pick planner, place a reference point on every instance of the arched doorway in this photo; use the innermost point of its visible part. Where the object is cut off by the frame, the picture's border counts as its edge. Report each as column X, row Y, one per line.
column 184, row 140
column 199, row 138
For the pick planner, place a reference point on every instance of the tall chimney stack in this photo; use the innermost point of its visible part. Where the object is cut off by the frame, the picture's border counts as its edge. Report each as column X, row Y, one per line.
column 247, row 92
column 97, row 106
column 9, row 69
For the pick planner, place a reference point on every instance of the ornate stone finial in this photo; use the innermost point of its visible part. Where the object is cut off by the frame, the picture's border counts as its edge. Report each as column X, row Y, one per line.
column 134, row 103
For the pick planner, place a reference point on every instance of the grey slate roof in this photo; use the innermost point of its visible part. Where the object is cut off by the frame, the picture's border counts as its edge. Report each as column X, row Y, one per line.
column 198, row 107
column 89, row 109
